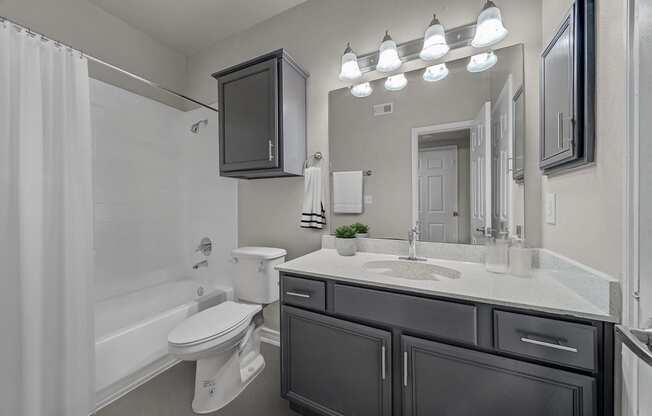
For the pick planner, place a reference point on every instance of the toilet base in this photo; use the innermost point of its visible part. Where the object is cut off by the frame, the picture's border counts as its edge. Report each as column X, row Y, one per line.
column 222, row 378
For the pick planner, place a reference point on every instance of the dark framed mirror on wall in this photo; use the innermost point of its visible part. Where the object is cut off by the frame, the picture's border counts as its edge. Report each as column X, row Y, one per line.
column 567, row 92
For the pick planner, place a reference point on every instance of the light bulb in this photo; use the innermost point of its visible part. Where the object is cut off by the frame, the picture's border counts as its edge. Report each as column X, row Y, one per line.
column 396, row 82
column 489, row 29
column 388, row 59
column 435, row 73
column 434, row 41
column 362, row 90
column 350, row 71
column 482, row 62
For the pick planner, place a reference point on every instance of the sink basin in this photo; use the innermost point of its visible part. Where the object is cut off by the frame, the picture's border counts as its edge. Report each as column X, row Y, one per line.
column 405, row 269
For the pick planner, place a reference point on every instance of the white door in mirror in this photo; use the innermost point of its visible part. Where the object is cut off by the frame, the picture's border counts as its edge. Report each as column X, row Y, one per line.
column 438, row 195
column 481, row 174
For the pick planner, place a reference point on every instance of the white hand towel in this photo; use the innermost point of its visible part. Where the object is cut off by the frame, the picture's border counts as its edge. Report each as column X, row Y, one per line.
column 312, row 213
column 347, row 192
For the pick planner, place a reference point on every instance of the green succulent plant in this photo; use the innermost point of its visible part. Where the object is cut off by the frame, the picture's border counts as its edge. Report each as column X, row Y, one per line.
column 345, row 231
column 360, row 228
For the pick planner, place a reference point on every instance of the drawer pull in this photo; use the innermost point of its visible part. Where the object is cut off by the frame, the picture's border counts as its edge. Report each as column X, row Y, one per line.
column 548, row 345
column 405, row 368
column 382, row 365
column 298, row 295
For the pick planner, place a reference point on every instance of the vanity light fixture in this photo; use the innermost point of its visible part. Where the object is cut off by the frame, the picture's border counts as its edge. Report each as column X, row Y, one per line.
column 434, row 41
column 396, row 82
column 362, row 90
column 482, row 61
column 435, row 73
column 489, row 28
column 350, row 71
column 388, row 59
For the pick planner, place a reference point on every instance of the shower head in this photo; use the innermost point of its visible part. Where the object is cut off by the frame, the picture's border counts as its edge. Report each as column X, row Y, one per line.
column 195, row 127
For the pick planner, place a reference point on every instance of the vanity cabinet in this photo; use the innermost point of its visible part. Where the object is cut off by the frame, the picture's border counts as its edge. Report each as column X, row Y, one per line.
column 567, row 106
column 334, row 366
column 262, row 126
column 448, row 380
column 350, row 349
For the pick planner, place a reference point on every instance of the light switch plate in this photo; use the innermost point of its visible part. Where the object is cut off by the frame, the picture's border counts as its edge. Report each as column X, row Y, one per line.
column 368, row 199
column 551, row 208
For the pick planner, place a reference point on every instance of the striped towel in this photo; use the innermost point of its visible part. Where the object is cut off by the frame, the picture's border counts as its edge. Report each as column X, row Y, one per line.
column 313, row 213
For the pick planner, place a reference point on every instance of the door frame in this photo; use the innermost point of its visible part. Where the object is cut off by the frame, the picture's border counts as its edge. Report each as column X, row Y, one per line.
column 416, row 132
column 457, row 203
column 631, row 272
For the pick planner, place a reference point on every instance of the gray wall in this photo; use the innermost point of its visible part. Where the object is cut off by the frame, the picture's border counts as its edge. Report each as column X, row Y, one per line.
column 316, row 33
column 86, row 27
column 590, row 205
column 359, row 140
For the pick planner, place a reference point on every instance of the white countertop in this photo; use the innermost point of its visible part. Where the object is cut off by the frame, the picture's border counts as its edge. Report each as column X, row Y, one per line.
column 543, row 291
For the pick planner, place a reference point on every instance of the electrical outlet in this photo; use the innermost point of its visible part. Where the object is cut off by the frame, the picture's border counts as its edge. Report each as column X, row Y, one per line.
column 368, row 199
column 551, row 208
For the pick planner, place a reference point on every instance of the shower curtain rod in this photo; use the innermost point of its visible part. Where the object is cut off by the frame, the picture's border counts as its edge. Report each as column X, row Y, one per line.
column 107, row 64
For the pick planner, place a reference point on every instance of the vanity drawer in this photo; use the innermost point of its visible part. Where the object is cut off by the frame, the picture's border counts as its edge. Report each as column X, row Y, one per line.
column 306, row 293
column 438, row 318
column 551, row 340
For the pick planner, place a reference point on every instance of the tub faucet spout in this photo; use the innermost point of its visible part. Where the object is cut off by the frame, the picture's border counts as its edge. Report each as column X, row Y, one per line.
column 203, row 263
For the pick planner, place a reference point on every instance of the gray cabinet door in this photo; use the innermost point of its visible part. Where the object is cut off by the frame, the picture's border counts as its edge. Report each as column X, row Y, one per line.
column 335, row 367
column 441, row 379
column 249, row 124
column 558, row 91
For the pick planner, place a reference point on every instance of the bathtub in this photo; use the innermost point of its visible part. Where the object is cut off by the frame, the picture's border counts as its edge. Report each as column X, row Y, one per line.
column 131, row 333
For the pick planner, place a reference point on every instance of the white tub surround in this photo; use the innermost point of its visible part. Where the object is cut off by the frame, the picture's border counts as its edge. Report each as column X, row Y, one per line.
column 588, row 295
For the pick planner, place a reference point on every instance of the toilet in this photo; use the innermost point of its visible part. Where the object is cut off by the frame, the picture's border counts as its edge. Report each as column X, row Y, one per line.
column 225, row 339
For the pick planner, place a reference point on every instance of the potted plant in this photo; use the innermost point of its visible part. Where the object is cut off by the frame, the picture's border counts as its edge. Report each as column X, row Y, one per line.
column 345, row 240
column 361, row 230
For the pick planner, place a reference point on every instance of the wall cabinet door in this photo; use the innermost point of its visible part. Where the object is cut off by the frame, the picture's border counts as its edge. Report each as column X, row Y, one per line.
column 248, row 103
column 441, row 379
column 558, row 97
column 335, row 367
column 567, row 92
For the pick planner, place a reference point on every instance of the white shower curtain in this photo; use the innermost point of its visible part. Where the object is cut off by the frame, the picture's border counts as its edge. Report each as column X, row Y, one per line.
column 46, row 257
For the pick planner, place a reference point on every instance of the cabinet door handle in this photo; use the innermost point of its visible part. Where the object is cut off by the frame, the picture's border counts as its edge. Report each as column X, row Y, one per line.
column 548, row 345
column 271, row 150
column 382, row 364
column 560, row 130
column 405, row 368
column 298, row 295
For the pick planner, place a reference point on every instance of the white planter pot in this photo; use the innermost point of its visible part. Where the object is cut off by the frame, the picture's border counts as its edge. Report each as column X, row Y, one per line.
column 345, row 246
column 362, row 235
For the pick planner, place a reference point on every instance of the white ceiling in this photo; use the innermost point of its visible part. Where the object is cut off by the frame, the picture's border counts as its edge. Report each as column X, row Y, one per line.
column 189, row 26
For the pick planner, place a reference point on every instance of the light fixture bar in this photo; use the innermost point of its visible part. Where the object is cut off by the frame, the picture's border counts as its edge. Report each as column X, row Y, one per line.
column 457, row 37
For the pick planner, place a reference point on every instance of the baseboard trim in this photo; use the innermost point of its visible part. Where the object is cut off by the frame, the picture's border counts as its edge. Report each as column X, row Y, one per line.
column 270, row 336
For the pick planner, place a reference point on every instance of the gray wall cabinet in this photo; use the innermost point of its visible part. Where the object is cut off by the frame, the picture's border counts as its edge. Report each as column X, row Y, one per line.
column 355, row 350
column 567, row 92
column 262, row 127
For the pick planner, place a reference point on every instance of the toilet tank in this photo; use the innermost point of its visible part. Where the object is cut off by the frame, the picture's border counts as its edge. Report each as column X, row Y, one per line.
column 256, row 280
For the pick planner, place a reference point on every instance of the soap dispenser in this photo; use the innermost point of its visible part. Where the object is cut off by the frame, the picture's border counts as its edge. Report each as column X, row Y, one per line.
column 520, row 256
column 497, row 255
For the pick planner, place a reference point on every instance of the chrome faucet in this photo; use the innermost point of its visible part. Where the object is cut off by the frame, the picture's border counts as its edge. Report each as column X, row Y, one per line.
column 412, row 241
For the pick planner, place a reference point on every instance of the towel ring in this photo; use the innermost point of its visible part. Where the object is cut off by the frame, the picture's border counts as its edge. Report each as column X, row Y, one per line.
column 316, row 156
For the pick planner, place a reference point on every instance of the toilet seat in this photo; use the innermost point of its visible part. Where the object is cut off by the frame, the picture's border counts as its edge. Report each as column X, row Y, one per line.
column 219, row 327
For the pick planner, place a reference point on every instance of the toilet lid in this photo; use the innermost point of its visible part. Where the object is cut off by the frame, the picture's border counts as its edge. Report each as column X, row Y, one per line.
column 211, row 323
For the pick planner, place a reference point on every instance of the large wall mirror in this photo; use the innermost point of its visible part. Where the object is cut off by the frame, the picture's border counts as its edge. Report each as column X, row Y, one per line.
column 446, row 155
